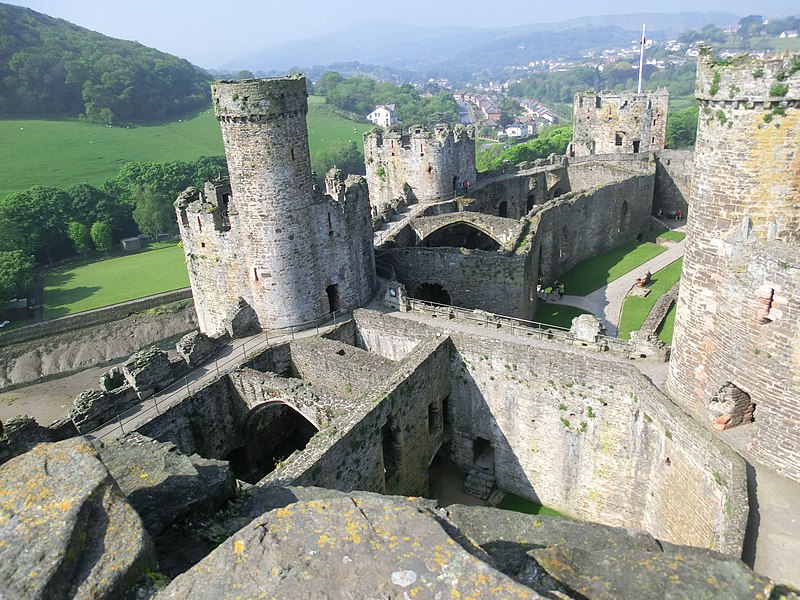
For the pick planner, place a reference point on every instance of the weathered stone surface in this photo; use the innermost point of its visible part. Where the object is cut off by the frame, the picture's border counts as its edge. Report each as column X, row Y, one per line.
column 599, row 562
column 92, row 408
column 586, row 328
column 241, row 320
column 111, row 379
column 162, row 484
column 148, row 371
column 351, row 547
column 195, row 347
column 66, row 531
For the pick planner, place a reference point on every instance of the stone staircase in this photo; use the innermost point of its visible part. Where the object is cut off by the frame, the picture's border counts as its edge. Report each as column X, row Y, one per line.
column 480, row 480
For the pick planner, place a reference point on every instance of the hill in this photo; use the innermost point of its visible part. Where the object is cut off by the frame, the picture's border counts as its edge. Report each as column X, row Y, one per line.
column 52, row 68
column 436, row 50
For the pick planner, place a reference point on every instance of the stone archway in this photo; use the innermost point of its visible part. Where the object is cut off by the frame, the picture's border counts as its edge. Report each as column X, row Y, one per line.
column 271, row 432
column 432, row 292
column 461, row 235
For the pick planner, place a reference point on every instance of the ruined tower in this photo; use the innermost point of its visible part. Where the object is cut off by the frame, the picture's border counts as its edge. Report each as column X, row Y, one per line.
column 419, row 165
column 737, row 332
column 624, row 123
column 272, row 245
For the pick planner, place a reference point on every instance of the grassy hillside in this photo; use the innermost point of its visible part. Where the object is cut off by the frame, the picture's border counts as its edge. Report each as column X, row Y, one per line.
column 63, row 153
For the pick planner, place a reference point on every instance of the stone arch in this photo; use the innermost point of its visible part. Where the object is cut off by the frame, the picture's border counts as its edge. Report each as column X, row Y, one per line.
column 531, row 201
column 461, row 235
column 271, row 431
column 432, row 292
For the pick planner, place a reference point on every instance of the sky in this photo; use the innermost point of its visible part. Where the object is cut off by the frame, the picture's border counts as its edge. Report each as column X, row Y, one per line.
column 210, row 33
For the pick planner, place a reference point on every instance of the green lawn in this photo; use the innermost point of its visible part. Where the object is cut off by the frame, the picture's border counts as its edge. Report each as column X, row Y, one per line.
column 529, row 507
column 672, row 236
column 596, row 272
column 667, row 327
column 635, row 309
column 64, row 153
column 74, row 289
column 560, row 315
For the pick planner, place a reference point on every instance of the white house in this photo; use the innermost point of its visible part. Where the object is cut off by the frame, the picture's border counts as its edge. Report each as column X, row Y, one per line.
column 383, row 115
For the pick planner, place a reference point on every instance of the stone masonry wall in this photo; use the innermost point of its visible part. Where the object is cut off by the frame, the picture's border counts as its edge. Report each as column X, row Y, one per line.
column 673, row 181
column 596, row 440
column 738, row 314
column 266, row 145
column 624, row 123
column 584, row 224
column 421, row 165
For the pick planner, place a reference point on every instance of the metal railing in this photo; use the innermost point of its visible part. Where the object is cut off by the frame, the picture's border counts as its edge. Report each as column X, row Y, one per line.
column 198, row 378
column 518, row 326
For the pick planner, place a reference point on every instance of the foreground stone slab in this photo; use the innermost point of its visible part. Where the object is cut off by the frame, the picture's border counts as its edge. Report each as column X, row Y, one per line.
column 352, row 547
column 66, row 531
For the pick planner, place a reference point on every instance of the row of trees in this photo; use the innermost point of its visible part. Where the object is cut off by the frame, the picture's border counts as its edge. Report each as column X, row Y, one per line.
column 50, row 67
column 50, row 223
column 360, row 95
column 553, row 140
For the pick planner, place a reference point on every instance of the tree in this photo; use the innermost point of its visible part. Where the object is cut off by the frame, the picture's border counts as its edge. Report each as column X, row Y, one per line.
column 78, row 234
column 34, row 221
column 154, row 212
column 682, row 128
column 90, row 205
column 16, row 274
column 101, row 236
column 347, row 158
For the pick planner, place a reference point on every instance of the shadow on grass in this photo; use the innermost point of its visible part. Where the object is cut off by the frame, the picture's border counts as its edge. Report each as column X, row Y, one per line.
column 560, row 315
column 57, row 302
column 58, row 279
column 601, row 270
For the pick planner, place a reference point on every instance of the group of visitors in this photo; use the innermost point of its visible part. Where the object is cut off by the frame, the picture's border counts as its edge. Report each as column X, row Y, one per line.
column 554, row 292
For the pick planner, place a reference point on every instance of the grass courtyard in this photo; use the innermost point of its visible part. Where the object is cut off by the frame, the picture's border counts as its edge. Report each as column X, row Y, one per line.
column 75, row 288
column 636, row 309
column 596, row 272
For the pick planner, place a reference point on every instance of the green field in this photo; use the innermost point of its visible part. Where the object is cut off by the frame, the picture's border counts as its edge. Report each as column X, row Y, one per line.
column 74, row 289
column 596, row 272
column 64, row 153
column 667, row 328
column 636, row 309
column 560, row 315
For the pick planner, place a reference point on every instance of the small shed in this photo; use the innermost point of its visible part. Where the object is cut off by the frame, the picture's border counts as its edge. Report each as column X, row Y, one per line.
column 130, row 244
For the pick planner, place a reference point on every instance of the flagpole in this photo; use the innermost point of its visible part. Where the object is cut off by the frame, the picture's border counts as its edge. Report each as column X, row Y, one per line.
column 641, row 62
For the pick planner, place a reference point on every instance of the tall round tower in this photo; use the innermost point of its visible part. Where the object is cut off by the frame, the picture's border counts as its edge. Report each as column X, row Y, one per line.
column 736, row 349
column 266, row 144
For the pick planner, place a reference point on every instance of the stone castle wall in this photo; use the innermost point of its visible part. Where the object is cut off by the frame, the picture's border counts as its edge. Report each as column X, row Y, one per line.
column 673, row 181
column 624, row 123
column 739, row 304
column 292, row 254
column 420, row 165
column 594, row 439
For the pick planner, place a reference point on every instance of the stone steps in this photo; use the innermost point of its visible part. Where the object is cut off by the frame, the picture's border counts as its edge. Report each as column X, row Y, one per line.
column 479, row 483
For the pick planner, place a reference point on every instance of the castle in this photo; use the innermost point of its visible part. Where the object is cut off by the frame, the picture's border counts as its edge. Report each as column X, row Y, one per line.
column 571, row 419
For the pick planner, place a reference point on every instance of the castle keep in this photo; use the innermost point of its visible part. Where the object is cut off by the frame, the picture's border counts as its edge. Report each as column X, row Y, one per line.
column 268, row 248
column 418, row 165
column 737, row 331
column 624, row 123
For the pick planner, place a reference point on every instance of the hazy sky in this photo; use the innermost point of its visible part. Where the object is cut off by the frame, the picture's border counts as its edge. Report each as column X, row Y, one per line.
column 209, row 33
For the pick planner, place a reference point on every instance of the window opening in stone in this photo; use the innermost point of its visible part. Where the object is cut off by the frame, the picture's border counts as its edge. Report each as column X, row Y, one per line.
column 330, row 225
column 271, row 433
column 597, row 102
column 199, row 225
column 291, row 150
column 184, row 217
column 563, row 245
column 502, row 210
column 446, row 411
column 767, row 312
column 480, row 448
column 731, row 406
column 432, row 292
column 531, row 202
column 557, row 192
column 434, row 417
column 623, row 217
column 333, row 297
column 636, row 146
column 618, row 139
column 255, row 273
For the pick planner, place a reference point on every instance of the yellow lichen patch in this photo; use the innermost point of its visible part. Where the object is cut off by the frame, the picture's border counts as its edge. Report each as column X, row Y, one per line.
column 238, row 550
column 143, row 475
column 353, row 530
column 326, row 540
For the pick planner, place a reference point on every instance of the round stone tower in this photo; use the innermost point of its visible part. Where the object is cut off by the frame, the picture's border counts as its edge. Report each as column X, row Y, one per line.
column 266, row 144
column 736, row 349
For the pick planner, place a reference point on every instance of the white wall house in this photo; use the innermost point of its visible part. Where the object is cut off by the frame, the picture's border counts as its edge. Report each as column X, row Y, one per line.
column 383, row 115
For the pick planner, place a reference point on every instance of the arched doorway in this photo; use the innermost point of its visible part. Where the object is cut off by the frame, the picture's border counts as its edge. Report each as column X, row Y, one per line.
column 461, row 235
column 502, row 209
column 432, row 292
column 272, row 431
column 563, row 244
